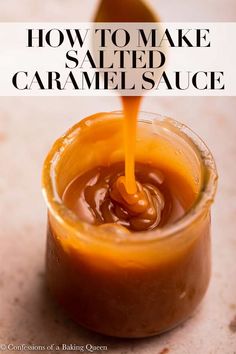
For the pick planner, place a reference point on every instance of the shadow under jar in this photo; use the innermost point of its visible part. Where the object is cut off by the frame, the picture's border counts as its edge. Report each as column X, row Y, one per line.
column 137, row 284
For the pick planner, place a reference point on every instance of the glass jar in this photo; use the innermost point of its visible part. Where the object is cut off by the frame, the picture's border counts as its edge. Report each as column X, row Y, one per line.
column 119, row 284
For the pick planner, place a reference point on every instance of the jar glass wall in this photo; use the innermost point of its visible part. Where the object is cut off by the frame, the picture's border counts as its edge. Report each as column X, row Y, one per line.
column 119, row 284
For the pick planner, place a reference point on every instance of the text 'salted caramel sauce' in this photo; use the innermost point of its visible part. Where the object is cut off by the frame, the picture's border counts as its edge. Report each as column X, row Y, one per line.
column 128, row 250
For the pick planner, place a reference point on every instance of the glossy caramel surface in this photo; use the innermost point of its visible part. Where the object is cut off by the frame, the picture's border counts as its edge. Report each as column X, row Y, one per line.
column 99, row 197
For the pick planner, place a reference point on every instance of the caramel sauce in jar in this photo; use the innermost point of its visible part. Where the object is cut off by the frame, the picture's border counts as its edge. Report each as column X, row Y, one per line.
column 129, row 276
column 128, row 247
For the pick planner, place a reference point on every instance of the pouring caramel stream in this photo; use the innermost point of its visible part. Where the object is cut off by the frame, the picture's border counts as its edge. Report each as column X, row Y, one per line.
column 130, row 107
column 132, row 195
column 127, row 192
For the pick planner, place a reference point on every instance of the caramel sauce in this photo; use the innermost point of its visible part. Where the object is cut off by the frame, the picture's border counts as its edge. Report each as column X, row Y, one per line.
column 99, row 197
column 130, row 107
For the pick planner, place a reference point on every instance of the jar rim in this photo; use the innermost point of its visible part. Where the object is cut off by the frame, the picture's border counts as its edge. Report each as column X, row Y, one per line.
column 84, row 230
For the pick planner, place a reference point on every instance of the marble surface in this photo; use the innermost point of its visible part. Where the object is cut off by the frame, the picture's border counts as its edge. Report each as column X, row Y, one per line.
column 28, row 126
